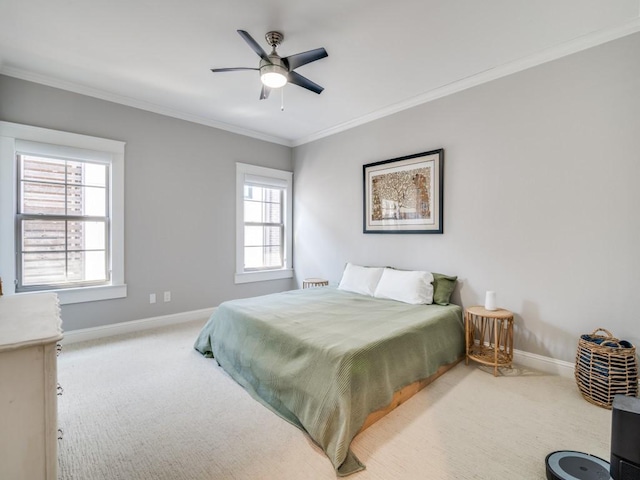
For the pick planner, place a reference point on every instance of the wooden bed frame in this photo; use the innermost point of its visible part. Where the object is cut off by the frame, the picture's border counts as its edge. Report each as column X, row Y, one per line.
column 406, row 393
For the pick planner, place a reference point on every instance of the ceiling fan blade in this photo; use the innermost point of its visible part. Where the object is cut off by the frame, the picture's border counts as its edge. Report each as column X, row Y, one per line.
column 304, row 82
column 264, row 93
column 235, row 69
column 299, row 59
column 254, row 45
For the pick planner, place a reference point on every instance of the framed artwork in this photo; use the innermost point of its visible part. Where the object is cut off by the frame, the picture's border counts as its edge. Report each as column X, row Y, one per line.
column 404, row 195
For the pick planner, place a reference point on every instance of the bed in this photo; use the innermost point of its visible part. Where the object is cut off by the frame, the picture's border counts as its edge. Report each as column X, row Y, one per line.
column 330, row 361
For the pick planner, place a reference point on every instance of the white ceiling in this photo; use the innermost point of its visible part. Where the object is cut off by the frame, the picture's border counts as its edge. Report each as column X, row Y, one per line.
column 383, row 56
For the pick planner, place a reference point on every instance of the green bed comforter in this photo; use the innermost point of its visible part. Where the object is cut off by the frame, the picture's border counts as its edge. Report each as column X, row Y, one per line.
column 324, row 359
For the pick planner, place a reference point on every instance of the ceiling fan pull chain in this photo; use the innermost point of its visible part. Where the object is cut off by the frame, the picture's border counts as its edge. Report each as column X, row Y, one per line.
column 282, row 99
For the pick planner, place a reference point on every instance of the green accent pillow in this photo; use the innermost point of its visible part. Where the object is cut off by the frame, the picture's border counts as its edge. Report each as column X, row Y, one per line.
column 443, row 287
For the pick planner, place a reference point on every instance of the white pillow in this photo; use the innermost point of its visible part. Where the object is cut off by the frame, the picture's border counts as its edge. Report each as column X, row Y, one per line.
column 412, row 287
column 359, row 279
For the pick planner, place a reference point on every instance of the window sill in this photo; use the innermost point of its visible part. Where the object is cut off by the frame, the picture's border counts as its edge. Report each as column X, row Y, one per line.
column 67, row 296
column 248, row 277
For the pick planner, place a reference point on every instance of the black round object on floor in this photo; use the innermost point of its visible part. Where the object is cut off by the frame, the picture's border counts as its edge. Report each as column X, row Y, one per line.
column 569, row 465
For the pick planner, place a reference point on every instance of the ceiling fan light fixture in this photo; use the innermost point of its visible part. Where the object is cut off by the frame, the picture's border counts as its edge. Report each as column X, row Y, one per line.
column 275, row 71
column 273, row 76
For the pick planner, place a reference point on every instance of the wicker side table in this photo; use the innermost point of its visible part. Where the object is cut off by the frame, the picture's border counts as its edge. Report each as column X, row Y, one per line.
column 314, row 282
column 489, row 337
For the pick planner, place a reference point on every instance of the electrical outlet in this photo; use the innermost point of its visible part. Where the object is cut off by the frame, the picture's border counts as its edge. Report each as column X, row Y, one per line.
column 152, row 298
column 167, row 296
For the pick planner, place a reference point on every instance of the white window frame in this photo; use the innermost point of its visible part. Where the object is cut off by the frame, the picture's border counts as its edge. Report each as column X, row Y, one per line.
column 70, row 144
column 245, row 171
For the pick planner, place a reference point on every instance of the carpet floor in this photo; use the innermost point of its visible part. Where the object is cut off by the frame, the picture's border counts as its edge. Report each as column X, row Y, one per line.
column 147, row 406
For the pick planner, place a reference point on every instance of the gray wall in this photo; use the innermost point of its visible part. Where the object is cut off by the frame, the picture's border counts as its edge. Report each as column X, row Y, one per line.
column 541, row 196
column 540, row 190
column 179, row 200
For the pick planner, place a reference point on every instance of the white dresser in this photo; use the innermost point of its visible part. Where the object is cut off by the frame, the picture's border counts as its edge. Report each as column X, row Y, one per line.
column 30, row 327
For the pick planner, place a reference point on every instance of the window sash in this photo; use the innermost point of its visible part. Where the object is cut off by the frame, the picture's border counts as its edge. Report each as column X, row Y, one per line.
column 69, row 266
column 263, row 259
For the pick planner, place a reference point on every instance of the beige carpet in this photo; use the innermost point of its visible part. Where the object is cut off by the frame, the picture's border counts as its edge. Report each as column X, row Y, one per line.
column 148, row 406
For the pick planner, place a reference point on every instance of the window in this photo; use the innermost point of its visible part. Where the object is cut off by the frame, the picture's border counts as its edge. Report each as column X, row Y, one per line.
column 263, row 227
column 62, row 223
column 61, row 213
column 263, row 204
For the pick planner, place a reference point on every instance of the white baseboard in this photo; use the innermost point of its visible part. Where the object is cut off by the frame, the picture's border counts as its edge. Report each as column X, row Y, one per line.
column 543, row 364
column 83, row 334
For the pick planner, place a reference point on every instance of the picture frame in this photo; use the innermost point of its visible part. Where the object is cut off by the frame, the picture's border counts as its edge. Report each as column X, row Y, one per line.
column 405, row 194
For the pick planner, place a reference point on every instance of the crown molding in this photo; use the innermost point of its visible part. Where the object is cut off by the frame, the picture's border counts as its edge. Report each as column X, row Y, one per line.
column 576, row 45
column 140, row 104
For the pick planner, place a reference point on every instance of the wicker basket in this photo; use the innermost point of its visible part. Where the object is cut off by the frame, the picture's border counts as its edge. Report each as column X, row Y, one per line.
column 605, row 366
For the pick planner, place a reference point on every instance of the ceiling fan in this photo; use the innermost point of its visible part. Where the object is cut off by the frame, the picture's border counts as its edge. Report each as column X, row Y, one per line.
column 276, row 71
